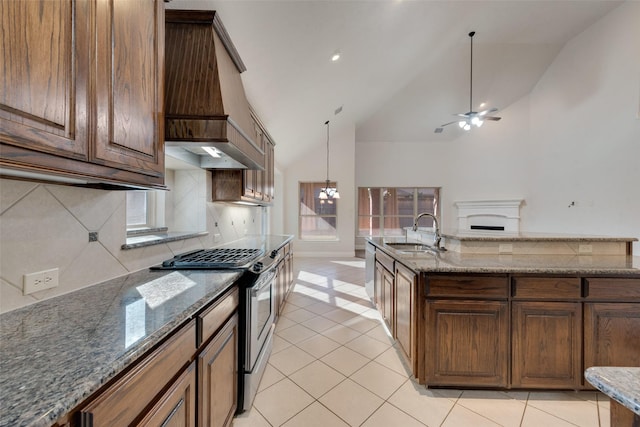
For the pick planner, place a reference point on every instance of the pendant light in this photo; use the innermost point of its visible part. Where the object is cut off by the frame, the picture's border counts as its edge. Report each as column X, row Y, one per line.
column 328, row 193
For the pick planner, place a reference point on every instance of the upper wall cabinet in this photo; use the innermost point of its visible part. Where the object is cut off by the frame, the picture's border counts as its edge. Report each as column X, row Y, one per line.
column 81, row 90
column 247, row 185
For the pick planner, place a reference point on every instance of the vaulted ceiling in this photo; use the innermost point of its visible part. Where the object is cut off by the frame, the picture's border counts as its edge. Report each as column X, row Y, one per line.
column 404, row 66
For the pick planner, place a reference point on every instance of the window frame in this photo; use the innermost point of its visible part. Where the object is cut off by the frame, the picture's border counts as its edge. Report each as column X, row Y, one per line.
column 317, row 186
column 154, row 212
column 382, row 216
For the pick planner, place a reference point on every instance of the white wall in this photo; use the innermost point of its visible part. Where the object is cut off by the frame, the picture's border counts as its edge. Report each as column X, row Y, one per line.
column 44, row 226
column 576, row 137
column 313, row 168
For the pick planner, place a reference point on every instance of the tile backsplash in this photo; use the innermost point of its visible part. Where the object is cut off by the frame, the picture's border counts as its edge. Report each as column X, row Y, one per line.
column 45, row 226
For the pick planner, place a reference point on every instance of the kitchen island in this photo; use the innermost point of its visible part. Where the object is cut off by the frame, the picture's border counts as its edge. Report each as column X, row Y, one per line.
column 622, row 385
column 59, row 354
column 508, row 321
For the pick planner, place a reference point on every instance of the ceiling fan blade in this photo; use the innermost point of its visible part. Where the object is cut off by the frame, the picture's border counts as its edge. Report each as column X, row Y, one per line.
column 465, row 115
column 485, row 112
column 495, row 119
column 440, row 129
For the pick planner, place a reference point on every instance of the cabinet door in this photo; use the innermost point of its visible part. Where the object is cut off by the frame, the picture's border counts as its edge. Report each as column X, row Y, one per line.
column 611, row 334
column 249, row 183
column 281, row 286
column 388, row 295
column 129, row 64
column 269, row 173
column 546, row 341
column 43, row 83
column 377, row 286
column 177, row 407
column 467, row 343
column 405, row 310
column 218, row 379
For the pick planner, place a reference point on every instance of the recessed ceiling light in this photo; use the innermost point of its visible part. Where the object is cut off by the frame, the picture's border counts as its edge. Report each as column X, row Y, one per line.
column 482, row 105
column 335, row 56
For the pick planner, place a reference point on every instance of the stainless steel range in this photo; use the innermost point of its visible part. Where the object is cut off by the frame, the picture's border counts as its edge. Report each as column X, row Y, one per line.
column 257, row 307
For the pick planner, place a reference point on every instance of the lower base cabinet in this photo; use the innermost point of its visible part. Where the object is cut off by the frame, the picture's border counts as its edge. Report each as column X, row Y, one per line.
column 546, row 345
column 189, row 380
column 177, row 407
column 612, row 334
column 127, row 400
column 217, row 376
column 467, row 343
column 406, row 320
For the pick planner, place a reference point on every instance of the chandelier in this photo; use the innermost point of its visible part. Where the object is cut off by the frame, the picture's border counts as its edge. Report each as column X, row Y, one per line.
column 328, row 192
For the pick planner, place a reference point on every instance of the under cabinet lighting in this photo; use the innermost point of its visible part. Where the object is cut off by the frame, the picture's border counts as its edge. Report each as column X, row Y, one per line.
column 212, row 152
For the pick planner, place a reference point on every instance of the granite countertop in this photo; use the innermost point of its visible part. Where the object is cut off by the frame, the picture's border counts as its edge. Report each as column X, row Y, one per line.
column 55, row 353
column 620, row 383
column 523, row 236
column 455, row 262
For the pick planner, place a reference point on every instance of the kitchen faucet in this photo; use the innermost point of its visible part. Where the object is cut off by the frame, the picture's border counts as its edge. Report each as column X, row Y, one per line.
column 436, row 238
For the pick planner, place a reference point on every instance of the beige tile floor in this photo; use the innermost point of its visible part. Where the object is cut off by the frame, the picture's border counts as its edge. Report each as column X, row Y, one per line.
column 333, row 364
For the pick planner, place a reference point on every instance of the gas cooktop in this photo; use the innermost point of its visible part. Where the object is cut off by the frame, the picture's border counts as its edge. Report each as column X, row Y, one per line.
column 217, row 258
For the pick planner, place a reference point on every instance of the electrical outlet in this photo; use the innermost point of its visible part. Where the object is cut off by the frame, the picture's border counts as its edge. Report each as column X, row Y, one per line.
column 35, row 282
column 505, row 248
column 585, row 249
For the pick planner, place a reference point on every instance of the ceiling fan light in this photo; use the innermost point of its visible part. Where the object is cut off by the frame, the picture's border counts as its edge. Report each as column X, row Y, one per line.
column 479, row 123
column 467, row 126
column 462, row 124
column 475, row 120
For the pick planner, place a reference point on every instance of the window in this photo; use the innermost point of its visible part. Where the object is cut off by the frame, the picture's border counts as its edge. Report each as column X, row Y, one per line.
column 145, row 210
column 318, row 218
column 138, row 212
column 387, row 211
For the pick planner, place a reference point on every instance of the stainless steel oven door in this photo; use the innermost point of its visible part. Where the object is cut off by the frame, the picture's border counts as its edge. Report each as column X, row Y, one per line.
column 260, row 312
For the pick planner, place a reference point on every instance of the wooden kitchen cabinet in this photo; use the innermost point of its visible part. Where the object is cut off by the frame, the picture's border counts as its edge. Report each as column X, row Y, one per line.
column 218, row 361
column 284, row 277
column 406, row 318
column 218, row 375
column 612, row 322
column 467, row 330
column 82, row 91
column 546, row 332
column 467, row 343
column 546, row 344
column 248, row 185
column 281, row 287
column 385, row 283
column 177, row 407
column 611, row 334
column 126, row 400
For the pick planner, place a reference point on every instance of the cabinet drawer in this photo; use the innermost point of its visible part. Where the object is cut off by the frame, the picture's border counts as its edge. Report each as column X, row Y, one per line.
column 624, row 290
column 127, row 398
column 214, row 317
column 546, row 287
column 385, row 260
column 468, row 286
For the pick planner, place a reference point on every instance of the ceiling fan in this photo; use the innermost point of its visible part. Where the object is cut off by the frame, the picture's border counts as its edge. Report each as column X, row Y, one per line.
column 471, row 117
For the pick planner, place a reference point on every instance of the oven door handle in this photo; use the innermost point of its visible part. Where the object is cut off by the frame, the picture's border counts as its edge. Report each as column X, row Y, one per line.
column 266, row 281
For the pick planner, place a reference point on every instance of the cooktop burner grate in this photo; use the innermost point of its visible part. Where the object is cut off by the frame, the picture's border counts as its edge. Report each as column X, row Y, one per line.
column 214, row 258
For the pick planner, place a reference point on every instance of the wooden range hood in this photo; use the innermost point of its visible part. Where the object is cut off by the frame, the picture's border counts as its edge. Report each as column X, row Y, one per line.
column 205, row 102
